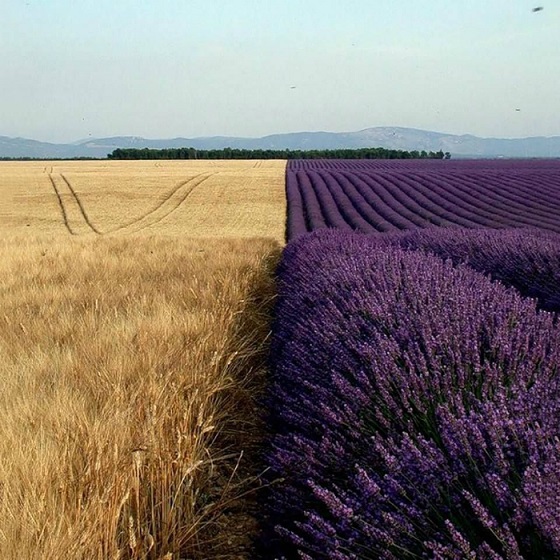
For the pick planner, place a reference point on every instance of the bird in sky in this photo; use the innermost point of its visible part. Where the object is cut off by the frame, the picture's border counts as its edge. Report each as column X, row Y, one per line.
column 538, row 9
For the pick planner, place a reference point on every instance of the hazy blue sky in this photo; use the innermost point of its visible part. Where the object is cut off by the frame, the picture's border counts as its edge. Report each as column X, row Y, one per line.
column 74, row 68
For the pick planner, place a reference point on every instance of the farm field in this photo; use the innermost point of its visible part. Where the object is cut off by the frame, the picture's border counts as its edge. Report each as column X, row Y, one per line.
column 135, row 311
column 180, row 384
column 413, row 409
column 372, row 196
column 414, row 404
column 201, row 198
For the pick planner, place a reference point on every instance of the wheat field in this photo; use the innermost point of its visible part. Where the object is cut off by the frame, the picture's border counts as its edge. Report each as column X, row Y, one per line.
column 135, row 301
column 196, row 198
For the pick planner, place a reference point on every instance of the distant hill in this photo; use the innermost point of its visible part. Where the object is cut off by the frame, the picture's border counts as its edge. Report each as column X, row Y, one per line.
column 386, row 137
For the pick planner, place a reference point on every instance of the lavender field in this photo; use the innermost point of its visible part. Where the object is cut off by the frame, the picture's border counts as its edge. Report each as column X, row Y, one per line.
column 371, row 196
column 414, row 402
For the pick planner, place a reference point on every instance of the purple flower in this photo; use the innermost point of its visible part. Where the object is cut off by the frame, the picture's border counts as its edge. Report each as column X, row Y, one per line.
column 414, row 408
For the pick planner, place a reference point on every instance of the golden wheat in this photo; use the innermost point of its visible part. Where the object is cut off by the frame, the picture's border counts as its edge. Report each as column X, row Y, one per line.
column 196, row 198
column 129, row 373
column 131, row 361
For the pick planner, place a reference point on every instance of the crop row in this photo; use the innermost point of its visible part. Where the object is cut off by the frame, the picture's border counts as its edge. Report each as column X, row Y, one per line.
column 525, row 259
column 370, row 196
column 460, row 165
column 414, row 403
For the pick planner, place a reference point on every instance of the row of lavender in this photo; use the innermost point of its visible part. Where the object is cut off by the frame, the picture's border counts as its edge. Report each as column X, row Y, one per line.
column 369, row 196
column 525, row 259
column 415, row 403
column 469, row 165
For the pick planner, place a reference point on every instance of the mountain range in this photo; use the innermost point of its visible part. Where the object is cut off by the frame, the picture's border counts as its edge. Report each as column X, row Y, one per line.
column 460, row 146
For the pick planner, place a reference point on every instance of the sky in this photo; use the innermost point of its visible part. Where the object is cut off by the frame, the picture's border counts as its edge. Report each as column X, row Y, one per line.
column 70, row 69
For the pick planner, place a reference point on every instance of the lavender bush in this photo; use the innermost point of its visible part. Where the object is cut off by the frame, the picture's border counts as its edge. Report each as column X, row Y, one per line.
column 414, row 410
column 528, row 260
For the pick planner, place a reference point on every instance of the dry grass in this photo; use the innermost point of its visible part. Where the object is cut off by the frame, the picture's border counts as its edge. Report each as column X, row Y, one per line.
column 131, row 362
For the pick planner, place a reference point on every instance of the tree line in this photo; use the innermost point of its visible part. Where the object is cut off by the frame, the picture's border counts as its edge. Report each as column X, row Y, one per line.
column 236, row 153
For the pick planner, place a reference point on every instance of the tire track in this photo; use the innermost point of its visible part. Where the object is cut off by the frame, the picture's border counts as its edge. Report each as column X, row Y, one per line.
column 170, row 203
column 80, row 206
column 167, row 206
column 61, row 206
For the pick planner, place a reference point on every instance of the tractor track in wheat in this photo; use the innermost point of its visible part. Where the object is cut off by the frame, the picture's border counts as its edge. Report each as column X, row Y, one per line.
column 167, row 206
column 61, row 206
column 172, row 201
column 73, row 212
column 80, row 206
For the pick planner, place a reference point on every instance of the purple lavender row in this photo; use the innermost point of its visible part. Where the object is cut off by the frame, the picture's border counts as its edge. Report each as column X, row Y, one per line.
column 414, row 410
column 362, row 196
column 514, row 198
column 498, row 166
column 409, row 201
column 525, row 259
column 478, row 198
column 440, row 205
column 330, row 209
column 473, row 206
column 296, row 224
